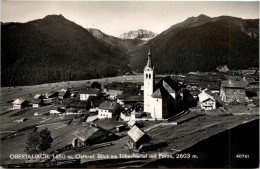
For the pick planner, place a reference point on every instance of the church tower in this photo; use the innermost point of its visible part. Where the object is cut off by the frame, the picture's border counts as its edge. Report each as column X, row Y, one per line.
column 148, row 84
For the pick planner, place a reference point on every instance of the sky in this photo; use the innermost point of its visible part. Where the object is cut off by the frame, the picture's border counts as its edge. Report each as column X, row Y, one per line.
column 117, row 17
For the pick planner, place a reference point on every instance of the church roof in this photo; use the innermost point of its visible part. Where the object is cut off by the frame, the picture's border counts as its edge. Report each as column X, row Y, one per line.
column 149, row 61
column 160, row 93
column 164, row 87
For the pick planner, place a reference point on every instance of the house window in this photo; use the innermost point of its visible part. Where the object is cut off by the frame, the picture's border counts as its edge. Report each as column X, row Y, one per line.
column 146, row 75
column 149, row 76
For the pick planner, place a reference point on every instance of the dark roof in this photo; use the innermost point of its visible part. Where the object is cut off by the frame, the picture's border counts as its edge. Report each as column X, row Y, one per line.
column 37, row 101
column 108, row 105
column 79, row 104
column 121, row 97
column 138, row 98
column 165, row 86
column 233, row 84
column 192, row 79
column 85, row 132
column 90, row 91
column 209, row 85
column 160, row 93
column 194, row 92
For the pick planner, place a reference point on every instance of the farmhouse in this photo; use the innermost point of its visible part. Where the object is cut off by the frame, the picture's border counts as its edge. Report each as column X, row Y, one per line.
column 120, row 99
column 207, row 102
column 39, row 96
column 114, row 93
column 107, row 109
column 88, row 135
column 137, row 137
column 77, row 105
column 233, row 90
column 134, row 99
column 212, row 86
column 52, row 94
column 93, row 92
column 64, row 93
column 161, row 99
column 37, row 103
column 20, row 103
column 56, row 110
column 195, row 93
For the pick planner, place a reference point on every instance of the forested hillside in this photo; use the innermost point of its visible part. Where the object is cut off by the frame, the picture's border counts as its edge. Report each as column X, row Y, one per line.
column 201, row 44
column 54, row 49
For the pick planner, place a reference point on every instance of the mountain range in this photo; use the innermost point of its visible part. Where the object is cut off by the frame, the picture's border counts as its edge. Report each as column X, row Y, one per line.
column 138, row 34
column 201, row 44
column 125, row 45
column 55, row 49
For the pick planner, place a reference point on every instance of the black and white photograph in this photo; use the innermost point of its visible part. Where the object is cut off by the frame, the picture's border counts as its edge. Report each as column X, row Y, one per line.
column 129, row 84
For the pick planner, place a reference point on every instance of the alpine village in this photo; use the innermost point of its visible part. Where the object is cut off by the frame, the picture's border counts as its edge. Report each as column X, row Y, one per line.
column 77, row 97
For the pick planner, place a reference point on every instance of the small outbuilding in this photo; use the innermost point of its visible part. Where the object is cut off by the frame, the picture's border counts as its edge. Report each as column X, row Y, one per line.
column 137, row 137
column 88, row 135
column 37, row 103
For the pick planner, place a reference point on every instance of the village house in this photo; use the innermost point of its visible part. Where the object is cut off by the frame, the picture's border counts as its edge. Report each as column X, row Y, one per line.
column 113, row 94
column 64, row 93
column 192, row 82
column 52, row 94
column 56, row 110
column 212, row 86
column 78, row 106
column 161, row 99
column 207, row 102
column 195, row 93
column 137, row 138
column 133, row 99
column 88, row 135
column 107, row 109
column 20, row 103
column 93, row 92
column 37, row 103
column 120, row 99
column 39, row 96
column 233, row 90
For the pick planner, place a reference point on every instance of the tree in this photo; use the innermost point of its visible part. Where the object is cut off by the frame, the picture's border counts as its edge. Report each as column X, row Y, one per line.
column 33, row 142
column 46, row 139
column 96, row 85
column 38, row 141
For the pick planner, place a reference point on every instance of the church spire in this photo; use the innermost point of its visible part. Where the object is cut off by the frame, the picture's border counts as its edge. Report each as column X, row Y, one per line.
column 149, row 61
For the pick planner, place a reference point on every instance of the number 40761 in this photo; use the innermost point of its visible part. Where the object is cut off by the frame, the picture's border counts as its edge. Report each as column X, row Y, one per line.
column 242, row 156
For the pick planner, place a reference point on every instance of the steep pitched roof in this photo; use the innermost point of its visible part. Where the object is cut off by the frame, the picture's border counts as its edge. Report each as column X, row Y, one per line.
column 209, row 85
column 108, row 105
column 233, row 84
column 18, row 101
column 160, row 93
column 164, row 87
column 114, row 92
column 135, row 133
column 85, row 132
column 203, row 96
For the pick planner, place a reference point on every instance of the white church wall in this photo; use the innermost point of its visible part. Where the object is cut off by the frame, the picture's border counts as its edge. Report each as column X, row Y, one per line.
column 157, row 109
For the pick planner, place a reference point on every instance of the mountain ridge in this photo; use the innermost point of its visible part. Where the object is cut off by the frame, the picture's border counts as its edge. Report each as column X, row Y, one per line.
column 47, row 45
column 138, row 34
column 188, row 45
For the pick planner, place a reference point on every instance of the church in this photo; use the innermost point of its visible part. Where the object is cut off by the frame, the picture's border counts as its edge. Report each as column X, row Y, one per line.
column 161, row 100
